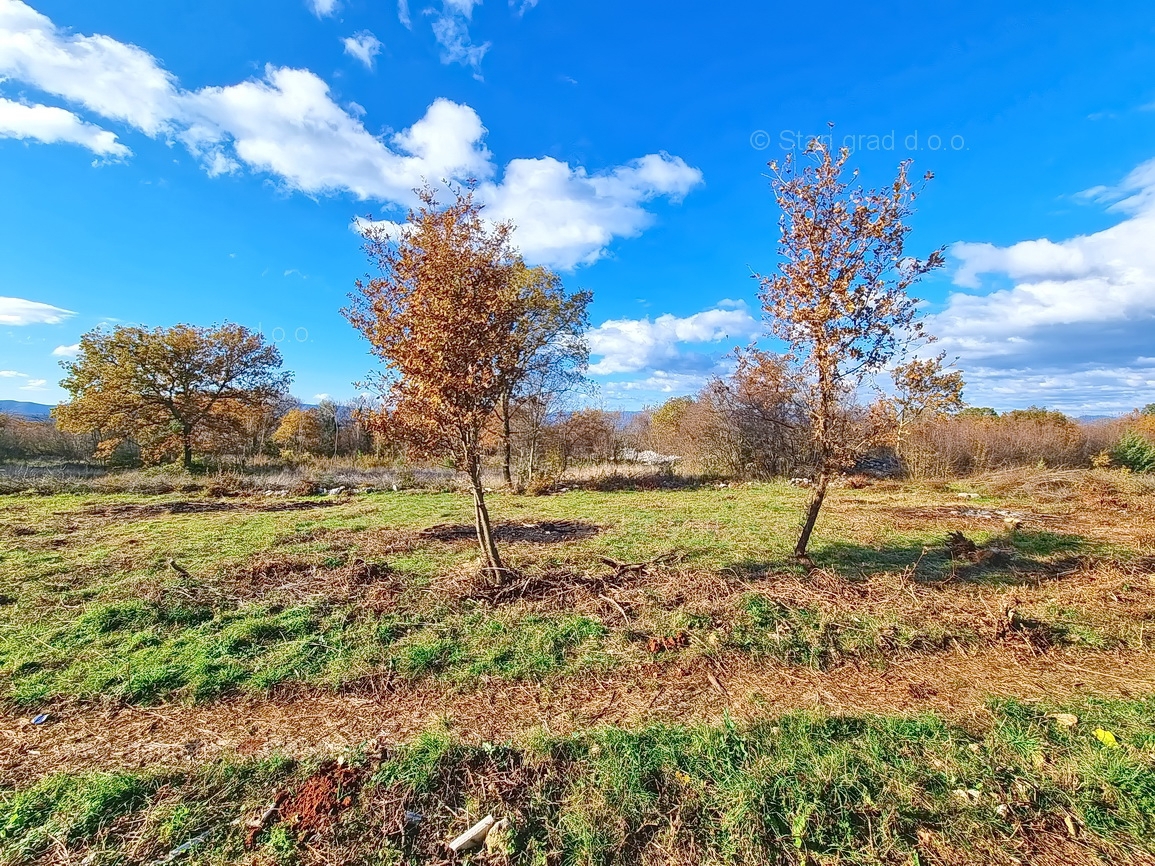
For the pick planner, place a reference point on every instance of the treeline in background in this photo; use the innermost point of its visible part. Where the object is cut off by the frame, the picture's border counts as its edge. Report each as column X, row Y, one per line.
column 726, row 431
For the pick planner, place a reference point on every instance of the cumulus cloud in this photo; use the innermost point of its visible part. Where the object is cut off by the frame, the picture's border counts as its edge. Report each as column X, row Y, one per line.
column 661, row 385
column 51, row 125
column 288, row 123
column 567, row 216
column 113, row 79
column 30, row 384
column 363, row 46
column 67, row 351
column 633, row 345
column 18, row 311
column 1077, row 312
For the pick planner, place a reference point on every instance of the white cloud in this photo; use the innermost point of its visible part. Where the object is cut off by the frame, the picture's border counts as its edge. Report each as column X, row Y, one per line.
column 67, row 351
column 50, row 125
column 663, row 383
column 12, row 374
column 34, row 385
column 403, row 14
column 288, row 124
column 1077, row 314
column 567, row 216
column 633, row 345
column 323, row 8
column 320, row 397
column 364, row 46
column 111, row 78
column 1091, row 390
column 18, row 311
column 461, row 7
column 522, row 6
column 451, row 29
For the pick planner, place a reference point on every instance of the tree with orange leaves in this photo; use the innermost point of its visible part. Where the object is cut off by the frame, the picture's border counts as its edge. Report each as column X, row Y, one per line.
column 442, row 316
column 169, row 390
column 839, row 299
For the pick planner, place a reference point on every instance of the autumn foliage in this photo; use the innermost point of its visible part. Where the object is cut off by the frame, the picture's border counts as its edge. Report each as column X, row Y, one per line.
column 443, row 317
column 170, row 390
column 839, row 299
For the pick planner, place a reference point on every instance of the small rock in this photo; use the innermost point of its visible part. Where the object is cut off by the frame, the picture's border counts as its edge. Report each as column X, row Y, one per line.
column 1066, row 720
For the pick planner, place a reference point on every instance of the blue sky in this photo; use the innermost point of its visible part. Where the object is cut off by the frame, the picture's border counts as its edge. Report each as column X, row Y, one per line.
column 205, row 161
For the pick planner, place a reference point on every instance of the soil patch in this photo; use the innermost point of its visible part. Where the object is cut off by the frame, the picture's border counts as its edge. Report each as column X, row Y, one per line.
column 540, row 532
column 134, row 511
column 555, row 589
column 314, row 807
column 303, row 721
column 292, row 579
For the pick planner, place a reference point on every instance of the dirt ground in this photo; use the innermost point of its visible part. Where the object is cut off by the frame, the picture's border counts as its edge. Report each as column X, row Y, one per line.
column 299, row 722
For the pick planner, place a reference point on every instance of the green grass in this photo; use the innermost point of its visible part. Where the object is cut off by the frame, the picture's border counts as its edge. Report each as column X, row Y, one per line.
column 143, row 653
column 802, row 788
column 807, row 636
column 89, row 605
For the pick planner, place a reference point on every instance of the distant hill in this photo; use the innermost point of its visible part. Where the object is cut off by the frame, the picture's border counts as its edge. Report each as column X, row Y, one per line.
column 36, row 411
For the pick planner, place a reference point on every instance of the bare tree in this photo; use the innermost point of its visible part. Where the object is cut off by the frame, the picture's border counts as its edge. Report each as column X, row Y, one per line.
column 550, row 359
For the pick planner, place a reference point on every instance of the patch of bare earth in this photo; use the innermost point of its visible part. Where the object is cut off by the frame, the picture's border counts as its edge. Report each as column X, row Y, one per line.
column 381, row 542
column 301, row 721
column 372, row 585
column 143, row 511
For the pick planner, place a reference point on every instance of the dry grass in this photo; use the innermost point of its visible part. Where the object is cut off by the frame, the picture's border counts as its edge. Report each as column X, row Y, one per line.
column 960, row 684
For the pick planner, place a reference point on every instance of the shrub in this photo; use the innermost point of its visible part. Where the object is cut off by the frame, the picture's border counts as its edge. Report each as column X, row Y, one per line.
column 972, row 442
column 1135, row 452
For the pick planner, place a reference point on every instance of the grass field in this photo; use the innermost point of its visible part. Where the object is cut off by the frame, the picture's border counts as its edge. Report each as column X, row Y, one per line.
column 658, row 683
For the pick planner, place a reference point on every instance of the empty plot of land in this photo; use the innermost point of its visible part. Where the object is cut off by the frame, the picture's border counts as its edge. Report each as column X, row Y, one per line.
column 158, row 638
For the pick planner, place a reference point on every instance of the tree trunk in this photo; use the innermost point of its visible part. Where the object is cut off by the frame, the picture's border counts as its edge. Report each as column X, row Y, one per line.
column 812, row 508
column 494, row 566
column 506, row 442
column 186, row 440
column 531, row 462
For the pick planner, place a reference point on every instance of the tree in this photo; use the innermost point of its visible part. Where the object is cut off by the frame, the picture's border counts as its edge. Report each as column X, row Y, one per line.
column 301, row 431
column 839, row 298
column 588, row 434
column 923, row 388
column 549, row 359
column 443, row 318
column 168, row 389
